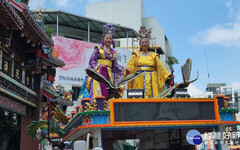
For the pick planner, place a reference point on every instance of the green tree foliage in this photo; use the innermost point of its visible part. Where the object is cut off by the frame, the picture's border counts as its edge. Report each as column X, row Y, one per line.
column 49, row 32
column 172, row 60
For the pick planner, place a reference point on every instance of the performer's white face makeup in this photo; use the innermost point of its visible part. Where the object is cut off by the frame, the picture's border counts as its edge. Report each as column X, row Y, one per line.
column 107, row 40
column 144, row 44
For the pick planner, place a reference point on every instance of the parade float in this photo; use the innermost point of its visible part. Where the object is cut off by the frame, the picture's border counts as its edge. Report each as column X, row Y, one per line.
column 153, row 123
column 171, row 121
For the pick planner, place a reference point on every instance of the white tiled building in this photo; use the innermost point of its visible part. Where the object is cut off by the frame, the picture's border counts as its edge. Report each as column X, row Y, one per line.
column 130, row 13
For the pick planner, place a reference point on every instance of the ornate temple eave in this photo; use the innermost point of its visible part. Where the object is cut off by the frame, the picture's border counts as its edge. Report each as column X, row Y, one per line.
column 57, row 100
column 16, row 90
column 10, row 16
column 33, row 29
column 58, row 62
column 65, row 102
column 52, row 61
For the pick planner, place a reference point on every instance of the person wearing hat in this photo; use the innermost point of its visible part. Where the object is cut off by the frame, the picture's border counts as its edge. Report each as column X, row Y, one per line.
column 156, row 74
column 104, row 61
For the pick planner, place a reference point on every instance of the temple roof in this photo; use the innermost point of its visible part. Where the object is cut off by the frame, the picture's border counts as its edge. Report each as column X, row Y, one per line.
column 10, row 15
column 34, row 28
column 31, row 28
column 52, row 61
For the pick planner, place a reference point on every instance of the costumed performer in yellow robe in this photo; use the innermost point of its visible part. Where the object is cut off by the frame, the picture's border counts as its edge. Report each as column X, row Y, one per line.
column 153, row 80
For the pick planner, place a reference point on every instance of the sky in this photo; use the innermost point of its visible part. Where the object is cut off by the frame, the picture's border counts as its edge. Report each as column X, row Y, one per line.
column 207, row 31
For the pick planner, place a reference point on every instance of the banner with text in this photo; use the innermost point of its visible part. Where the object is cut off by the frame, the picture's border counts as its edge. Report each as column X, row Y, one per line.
column 76, row 55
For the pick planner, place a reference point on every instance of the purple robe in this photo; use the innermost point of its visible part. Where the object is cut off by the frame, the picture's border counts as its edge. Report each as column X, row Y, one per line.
column 117, row 70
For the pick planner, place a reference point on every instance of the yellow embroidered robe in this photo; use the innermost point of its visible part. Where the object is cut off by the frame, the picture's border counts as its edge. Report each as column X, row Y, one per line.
column 153, row 80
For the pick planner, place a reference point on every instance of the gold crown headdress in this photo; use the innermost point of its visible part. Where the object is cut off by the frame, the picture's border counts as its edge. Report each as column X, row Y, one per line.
column 144, row 33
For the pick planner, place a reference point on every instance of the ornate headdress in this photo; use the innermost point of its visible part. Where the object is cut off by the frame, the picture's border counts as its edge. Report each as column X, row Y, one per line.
column 144, row 33
column 108, row 29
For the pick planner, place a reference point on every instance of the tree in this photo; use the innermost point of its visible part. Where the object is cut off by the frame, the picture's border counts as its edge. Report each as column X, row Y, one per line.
column 172, row 60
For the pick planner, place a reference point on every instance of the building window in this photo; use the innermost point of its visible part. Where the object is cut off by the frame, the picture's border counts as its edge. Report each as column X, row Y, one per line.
column 75, row 95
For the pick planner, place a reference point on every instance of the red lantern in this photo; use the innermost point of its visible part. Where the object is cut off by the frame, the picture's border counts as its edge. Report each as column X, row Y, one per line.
column 49, row 77
column 53, row 79
column 38, row 53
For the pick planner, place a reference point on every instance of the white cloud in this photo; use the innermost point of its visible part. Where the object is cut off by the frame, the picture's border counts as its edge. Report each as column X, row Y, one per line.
column 229, row 6
column 226, row 34
column 235, row 85
column 222, row 35
column 35, row 4
column 194, row 91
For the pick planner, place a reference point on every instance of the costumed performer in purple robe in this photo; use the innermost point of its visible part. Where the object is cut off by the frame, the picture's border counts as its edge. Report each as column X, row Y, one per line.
column 104, row 61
